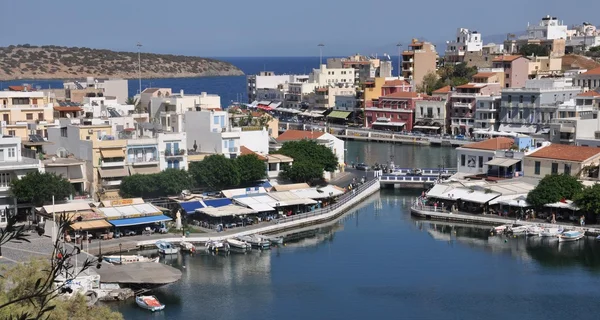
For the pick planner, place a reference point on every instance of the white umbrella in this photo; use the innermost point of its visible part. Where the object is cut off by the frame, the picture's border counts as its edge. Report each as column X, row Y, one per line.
column 520, row 202
column 178, row 220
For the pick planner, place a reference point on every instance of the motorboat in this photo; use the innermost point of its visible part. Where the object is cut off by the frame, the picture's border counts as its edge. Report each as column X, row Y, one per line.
column 187, row 247
column 273, row 240
column 501, row 229
column 551, row 232
column 217, row 245
column 149, row 303
column 534, row 230
column 166, row 247
column 120, row 259
column 256, row 242
column 517, row 229
column 237, row 244
column 570, row 236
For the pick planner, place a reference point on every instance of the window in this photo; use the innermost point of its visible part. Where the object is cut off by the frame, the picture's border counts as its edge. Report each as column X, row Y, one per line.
column 5, row 178
column 11, row 153
column 63, row 132
column 532, row 99
column 520, row 99
column 29, row 116
column 40, row 116
column 509, row 98
column 215, row 120
column 462, row 160
column 5, row 117
column 567, row 169
column 537, row 168
column 520, row 114
column 554, row 168
column 481, row 161
column 12, row 133
column 20, row 101
column 482, row 105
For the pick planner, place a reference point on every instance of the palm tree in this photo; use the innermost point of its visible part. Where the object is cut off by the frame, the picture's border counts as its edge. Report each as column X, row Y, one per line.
column 131, row 101
column 136, row 103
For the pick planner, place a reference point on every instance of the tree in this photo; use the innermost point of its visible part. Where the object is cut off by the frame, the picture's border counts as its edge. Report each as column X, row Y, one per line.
column 251, row 168
column 302, row 171
column 589, row 199
column 533, row 50
column 173, row 181
column 215, row 172
column 429, row 83
column 136, row 103
column 310, row 151
column 38, row 188
column 166, row 183
column 554, row 188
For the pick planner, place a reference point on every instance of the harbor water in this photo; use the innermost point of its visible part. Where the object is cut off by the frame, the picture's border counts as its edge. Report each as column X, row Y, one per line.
column 377, row 262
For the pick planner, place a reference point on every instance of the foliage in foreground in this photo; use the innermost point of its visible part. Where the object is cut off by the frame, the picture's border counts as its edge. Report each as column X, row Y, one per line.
column 588, row 199
column 165, row 183
column 310, row 160
column 38, row 188
column 554, row 188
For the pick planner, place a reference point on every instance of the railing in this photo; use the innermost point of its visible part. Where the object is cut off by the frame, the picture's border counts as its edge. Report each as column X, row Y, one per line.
column 426, row 171
column 419, row 179
column 142, row 160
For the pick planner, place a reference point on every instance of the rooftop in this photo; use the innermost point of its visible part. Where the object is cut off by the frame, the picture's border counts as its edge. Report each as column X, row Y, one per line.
column 472, row 86
column 445, row 89
column 484, row 75
column 566, row 152
column 245, row 151
column 293, row 135
column 591, row 93
column 593, row 72
column 396, row 83
column 492, row 144
column 506, row 58
column 403, row 95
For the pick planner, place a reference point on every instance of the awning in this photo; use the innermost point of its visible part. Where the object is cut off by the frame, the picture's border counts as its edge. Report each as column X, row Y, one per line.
column 89, row 225
column 502, row 162
column 113, row 173
column 479, row 197
column 144, row 170
column 190, row 206
column 260, row 207
column 138, row 221
column 426, row 127
column 226, row 211
column 393, row 124
column 339, row 114
column 518, row 129
column 438, row 190
column 112, row 153
column 454, row 194
column 266, row 108
column 509, row 199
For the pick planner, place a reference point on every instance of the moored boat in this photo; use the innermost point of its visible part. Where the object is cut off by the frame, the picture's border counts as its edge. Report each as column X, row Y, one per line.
column 119, row 259
column 149, row 303
column 570, row 236
column 551, row 232
column 534, row 230
column 501, row 229
column 517, row 229
column 239, row 245
column 273, row 240
column 256, row 242
column 166, row 247
column 187, row 247
column 217, row 246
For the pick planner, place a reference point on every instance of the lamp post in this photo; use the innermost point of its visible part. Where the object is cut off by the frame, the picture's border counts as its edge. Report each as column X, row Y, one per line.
column 399, row 45
column 320, row 45
column 139, row 45
column 120, row 253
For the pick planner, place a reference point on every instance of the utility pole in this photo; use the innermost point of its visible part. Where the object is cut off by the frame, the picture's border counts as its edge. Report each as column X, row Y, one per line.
column 399, row 45
column 320, row 54
column 139, row 45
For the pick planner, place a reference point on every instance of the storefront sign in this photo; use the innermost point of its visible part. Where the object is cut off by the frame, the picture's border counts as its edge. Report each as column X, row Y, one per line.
column 121, row 202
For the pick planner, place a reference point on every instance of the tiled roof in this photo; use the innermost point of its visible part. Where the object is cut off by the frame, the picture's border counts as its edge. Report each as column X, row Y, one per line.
column 593, row 72
column 294, row 135
column 591, row 93
column 402, row 94
column 566, row 152
column 445, row 89
column 472, row 85
column 484, row 75
column 506, row 58
column 492, row 144
column 395, row 83
column 245, row 151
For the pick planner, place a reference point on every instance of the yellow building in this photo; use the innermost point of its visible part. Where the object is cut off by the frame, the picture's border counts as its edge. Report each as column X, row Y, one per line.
column 24, row 112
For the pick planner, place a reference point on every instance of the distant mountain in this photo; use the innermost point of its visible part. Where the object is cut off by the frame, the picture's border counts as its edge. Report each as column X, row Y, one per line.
column 54, row 62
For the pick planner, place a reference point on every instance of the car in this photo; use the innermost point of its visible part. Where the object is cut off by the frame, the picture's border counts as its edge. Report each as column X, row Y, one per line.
column 163, row 230
column 362, row 166
column 129, row 232
column 460, row 137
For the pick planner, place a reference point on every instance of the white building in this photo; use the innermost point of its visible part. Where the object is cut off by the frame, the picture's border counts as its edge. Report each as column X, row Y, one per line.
column 210, row 132
column 255, row 140
column 298, row 94
column 549, row 28
column 269, row 80
column 151, row 152
column 165, row 108
column 325, row 76
column 98, row 107
column 583, row 37
column 117, row 88
column 466, row 41
column 345, row 102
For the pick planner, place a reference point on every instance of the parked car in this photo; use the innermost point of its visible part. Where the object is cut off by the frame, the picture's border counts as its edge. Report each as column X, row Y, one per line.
column 163, row 230
column 129, row 232
column 415, row 172
column 362, row 166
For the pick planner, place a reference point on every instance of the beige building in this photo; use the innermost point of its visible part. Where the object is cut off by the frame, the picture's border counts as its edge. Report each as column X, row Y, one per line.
column 147, row 95
column 24, row 112
column 418, row 60
column 561, row 159
column 544, row 66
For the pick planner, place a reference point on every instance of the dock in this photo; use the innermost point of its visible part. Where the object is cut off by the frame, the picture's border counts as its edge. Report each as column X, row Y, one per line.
column 430, row 213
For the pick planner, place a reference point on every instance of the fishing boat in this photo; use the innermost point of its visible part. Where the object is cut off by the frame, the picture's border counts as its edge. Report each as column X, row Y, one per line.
column 217, row 245
column 570, row 236
column 551, row 232
column 256, row 242
column 187, row 247
column 237, row 244
column 534, row 231
column 273, row 240
column 517, row 229
column 501, row 229
column 118, row 259
column 149, row 303
column 166, row 248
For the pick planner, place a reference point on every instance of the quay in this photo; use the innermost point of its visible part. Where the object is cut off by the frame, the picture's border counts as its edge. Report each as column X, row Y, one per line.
column 429, row 213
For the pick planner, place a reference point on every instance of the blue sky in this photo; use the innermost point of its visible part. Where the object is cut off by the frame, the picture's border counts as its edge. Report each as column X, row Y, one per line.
column 269, row 27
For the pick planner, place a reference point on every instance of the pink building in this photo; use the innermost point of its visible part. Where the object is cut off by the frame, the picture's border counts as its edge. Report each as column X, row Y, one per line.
column 393, row 112
column 393, row 86
column 516, row 69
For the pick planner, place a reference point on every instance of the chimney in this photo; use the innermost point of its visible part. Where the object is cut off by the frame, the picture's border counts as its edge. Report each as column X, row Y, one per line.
column 181, row 92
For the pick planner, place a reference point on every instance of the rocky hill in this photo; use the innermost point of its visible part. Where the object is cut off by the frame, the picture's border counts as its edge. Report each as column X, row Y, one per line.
column 54, row 62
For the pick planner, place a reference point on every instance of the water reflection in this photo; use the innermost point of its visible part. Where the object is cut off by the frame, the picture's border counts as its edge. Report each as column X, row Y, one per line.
column 402, row 155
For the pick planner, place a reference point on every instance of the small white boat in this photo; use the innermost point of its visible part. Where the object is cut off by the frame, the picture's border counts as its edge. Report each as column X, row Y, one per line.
column 551, row 232
column 237, row 244
column 187, row 247
column 501, row 229
column 570, row 236
column 273, row 240
column 534, row 230
column 118, row 259
column 149, row 303
column 217, row 245
column 517, row 229
column 256, row 241
column 166, row 247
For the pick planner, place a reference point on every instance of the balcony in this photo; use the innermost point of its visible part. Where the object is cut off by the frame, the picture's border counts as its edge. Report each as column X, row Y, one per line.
column 141, row 160
column 111, row 183
column 26, row 106
column 109, row 163
column 174, row 153
column 232, row 150
column 464, row 95
column 462, row 105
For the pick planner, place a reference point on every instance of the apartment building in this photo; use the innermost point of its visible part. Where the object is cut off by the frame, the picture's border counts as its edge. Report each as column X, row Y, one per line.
column 420, row 59
column 560, row 159
column 211, row 132
column 463, row 105
column 430, row 114
column 466, row 41
column 117, row 88
column 394, row 112
column 516, row 69
column 70, row 168
column 549, row 33
column 146, row 96
column 25, row 111
column 169, row 110
column 582, row 37
column 588, row 80
column 266, row 80
column 325, row 97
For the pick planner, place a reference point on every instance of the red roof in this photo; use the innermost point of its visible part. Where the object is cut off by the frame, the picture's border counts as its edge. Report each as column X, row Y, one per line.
column 19, row 88
column 593, row 72
column 591, row 93
column 445, row 89
column 403, row 95
column 245, row 151
column 566, row 152
column 492, row 144
column 295, row 135
column 484, row 75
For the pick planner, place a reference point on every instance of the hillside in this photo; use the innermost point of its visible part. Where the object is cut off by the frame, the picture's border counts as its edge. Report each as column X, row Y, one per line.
column 53, row 62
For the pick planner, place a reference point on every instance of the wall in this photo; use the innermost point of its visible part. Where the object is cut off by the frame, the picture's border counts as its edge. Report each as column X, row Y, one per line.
column 337, row 146
column 117, row 88
column 474, row 155
column 546, row 166
column 256, row 140
column 424, row 62
column 519, row 73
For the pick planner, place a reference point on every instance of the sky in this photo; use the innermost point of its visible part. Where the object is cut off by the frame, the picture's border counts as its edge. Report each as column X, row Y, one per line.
column 240, row 28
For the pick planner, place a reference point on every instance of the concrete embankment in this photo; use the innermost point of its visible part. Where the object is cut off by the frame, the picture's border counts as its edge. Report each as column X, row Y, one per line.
column 317, row 217
column 428, row 213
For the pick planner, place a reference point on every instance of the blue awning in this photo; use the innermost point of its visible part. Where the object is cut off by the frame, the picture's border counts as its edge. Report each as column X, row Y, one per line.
column 138, row 221
column 216, row 203
column 191, row 206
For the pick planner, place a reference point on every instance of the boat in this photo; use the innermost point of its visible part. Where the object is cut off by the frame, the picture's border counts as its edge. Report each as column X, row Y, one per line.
column 534, row 230
column 551, row 232
column 570, row 236
column 187, row 247
column 119, row 259
column 256, row 241
column 273, row 240
column 166, row 247
column 598, row 238
column 149, row 303
column 217, row 245
column 517, row 229
column 237, row 244
column 501, row 229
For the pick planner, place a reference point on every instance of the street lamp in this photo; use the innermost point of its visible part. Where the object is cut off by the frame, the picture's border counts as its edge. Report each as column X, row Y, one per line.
column 120, row 253
column 399, row 45
column 320, row 45
column 139, row 45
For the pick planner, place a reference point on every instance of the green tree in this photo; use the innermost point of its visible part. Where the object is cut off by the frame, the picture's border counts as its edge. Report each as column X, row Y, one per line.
column 251, row 168
column 173, row 181
column 462, row 70
column 589, row 199
column 136, row 103
column 215, row 172
column 595, row 49
column 553, row 188
column 302, row 171
column 429, row 84
column 310, row 151
column 38, row 188
column 533, row 50
column 166, row 183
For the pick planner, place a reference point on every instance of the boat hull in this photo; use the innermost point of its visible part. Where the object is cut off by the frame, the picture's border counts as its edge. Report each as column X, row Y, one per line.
column 569, row 237
column 142, row 304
